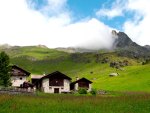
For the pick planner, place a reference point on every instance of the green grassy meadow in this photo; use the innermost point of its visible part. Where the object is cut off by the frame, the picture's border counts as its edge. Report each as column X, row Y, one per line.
column 39, row 60
column 48, row 103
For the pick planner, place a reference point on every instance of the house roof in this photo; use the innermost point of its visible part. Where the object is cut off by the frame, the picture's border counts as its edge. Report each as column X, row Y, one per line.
column 36, row 76
column 82, row 79
column 56, row 74
column 19, row 68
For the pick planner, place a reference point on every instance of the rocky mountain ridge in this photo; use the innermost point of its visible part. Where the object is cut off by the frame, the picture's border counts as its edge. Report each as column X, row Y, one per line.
column 126, row 47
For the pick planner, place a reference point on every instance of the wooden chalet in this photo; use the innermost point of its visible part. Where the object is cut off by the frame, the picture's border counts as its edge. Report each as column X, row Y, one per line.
column 18, row 76
column 55, row 82
column 81, row 83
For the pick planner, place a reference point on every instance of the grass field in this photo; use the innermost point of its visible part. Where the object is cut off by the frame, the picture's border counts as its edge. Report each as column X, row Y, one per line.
column 46, row 103
column 38, row 60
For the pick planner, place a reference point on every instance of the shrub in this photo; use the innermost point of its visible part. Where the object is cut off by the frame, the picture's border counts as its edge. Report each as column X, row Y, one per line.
column 82, row 91
column 93, row 92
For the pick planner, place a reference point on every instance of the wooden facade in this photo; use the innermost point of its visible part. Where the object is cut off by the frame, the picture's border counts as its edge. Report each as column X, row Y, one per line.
column 81, row 83
column 56, row 82
column 17, row 71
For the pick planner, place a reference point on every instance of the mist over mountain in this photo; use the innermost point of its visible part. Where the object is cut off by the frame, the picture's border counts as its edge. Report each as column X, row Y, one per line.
column 120, row 43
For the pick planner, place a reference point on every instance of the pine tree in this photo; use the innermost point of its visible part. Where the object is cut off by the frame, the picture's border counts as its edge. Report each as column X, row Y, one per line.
column 4, row 69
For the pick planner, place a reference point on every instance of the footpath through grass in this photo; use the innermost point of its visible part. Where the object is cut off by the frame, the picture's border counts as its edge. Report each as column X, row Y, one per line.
column 46, row 103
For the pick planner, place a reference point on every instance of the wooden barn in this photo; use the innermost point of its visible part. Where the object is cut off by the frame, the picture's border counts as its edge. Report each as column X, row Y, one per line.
column 81, row 83
column 18, row 76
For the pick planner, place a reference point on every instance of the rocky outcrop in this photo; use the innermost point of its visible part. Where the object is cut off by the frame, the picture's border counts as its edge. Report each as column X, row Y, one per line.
column 126, row 47
column 123, row 40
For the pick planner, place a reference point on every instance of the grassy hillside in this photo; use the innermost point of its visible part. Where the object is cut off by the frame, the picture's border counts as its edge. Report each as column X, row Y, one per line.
column 39, row 60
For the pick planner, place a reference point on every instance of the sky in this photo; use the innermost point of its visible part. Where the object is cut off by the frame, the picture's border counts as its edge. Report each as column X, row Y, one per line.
column 73, row 23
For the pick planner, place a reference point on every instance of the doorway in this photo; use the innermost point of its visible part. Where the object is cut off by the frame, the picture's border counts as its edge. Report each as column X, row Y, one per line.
column 56, row 90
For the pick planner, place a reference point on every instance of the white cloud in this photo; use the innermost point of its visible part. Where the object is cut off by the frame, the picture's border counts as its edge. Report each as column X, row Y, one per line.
column 138, row 29
column 109, row 13
column 54, row 7
column 90, row 34
column 21, row 25
column 115, row 10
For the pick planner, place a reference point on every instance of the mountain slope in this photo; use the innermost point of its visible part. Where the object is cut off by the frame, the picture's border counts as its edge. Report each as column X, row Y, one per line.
column 40, row 60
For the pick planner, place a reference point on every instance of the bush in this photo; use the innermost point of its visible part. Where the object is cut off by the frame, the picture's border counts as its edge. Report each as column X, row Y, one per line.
column 93, row 92
column 82, row 91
